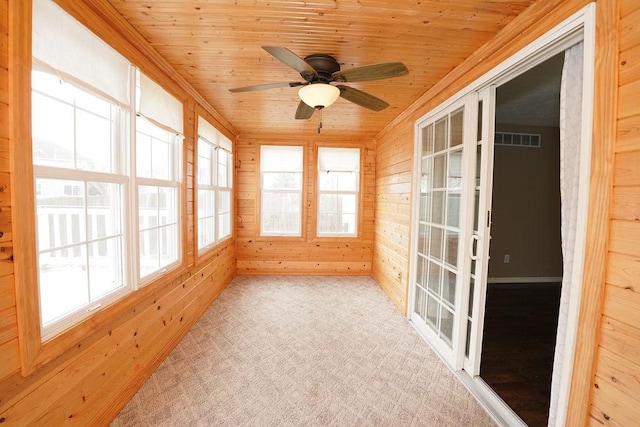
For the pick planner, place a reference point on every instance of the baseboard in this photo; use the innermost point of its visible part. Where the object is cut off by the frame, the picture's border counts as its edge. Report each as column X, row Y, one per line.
column 524, row 280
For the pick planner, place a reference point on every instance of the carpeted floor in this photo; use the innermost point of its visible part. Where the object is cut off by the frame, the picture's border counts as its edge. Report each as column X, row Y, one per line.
column 302, row 351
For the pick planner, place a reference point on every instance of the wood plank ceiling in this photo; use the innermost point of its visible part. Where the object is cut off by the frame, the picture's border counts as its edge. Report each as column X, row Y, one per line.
column 216, row 45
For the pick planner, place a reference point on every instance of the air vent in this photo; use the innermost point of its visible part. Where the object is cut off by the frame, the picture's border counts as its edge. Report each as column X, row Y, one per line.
column 517, row 139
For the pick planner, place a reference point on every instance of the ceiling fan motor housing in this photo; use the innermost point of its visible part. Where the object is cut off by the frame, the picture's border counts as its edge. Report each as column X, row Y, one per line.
column 325, row 65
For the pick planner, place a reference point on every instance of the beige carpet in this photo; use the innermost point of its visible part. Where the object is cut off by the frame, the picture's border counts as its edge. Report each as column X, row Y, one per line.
column 302, row 351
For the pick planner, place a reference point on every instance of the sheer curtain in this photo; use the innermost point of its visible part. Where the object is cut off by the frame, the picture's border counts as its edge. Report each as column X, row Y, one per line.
column 570, row 138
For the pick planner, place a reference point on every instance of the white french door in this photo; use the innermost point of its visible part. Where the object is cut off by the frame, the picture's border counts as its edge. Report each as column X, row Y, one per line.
column 454, row 154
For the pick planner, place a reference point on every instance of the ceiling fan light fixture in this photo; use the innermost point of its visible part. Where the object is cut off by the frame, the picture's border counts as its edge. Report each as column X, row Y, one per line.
column 319, row 95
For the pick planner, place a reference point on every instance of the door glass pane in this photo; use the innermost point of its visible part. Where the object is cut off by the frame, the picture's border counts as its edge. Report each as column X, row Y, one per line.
column 435, row 248
column 476, row 207
column 453, row 209
column 427, row 140
column 435, row 272
column 456, row 128
column 421, row 301
column 421, row 276
column 446, row 324
column 466, row 347
column 454, row 174
column 451, row 248
column 432, row 312
column 479, row 130
column 478, row 160
column 425, row 207
column 439, row 170
column 449, row 287
column 423, row 236
column 426, row 174
column 471, row 288
column 440, row 142
column 437, row 207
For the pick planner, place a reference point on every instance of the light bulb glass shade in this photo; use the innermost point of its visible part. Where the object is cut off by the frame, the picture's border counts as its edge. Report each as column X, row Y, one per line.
column 319, row 94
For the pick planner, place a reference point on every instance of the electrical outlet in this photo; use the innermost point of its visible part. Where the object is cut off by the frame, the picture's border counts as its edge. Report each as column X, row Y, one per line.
column 507, row 257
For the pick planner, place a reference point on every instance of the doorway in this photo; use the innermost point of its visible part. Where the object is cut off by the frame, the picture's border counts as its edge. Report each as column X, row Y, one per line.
column 525, row 264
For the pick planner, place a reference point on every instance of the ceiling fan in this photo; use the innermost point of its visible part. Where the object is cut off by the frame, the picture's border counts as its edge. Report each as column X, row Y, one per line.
column 319, row 71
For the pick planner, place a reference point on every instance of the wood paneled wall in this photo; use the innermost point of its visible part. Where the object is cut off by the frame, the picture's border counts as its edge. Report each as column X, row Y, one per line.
column 90, row 381
column 394, row 165
column 615, row 398
column 308, row 254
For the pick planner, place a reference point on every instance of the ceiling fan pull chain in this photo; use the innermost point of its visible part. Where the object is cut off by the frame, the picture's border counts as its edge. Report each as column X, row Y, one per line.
column 320, row 124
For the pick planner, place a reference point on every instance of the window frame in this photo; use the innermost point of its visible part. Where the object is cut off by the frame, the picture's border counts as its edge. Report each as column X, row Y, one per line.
column 216, row 148
column 357, row 193
column 303, row 194
column 175, row 181
column 34, row 351
column 119, row 175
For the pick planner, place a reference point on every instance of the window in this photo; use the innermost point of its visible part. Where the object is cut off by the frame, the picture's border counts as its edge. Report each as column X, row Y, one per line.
column 79, row 199
column 214, row 185
column 90, row 174
column 158, row 184
column 157, row 152
column 280, row 190
column 338, row 187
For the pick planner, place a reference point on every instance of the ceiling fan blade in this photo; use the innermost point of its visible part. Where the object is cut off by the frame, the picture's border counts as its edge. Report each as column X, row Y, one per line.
column 292, row 60
column 304, row 112
column 265, row 86
column 371, row 72
column 361, row 98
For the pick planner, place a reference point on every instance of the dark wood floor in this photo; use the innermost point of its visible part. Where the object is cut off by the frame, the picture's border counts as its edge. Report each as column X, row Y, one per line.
column 518, row 346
